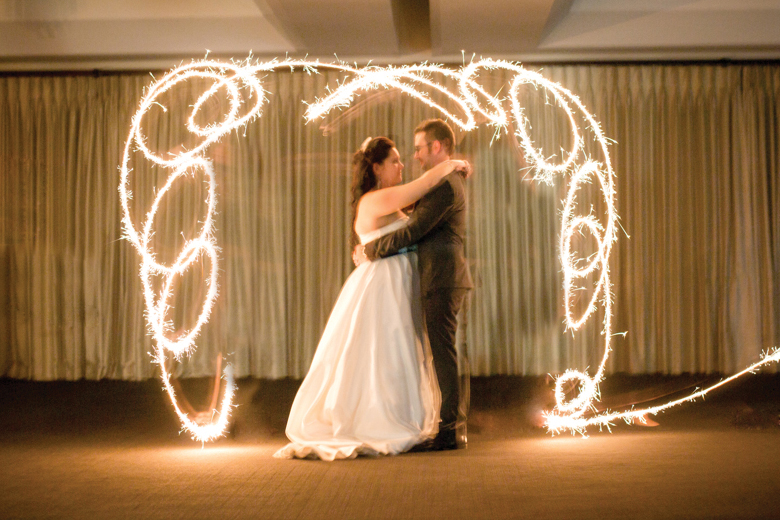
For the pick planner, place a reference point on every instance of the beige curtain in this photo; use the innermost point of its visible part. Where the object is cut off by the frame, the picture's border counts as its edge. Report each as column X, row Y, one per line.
column 695, row 285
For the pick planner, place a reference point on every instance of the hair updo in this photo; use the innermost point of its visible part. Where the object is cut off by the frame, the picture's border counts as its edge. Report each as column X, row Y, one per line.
column 363, row 177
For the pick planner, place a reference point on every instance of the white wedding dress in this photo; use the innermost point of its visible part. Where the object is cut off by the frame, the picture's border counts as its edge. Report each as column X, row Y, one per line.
column 371, row 388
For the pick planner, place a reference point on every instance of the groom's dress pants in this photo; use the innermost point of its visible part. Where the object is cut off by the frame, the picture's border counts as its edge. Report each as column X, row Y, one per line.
column 441, row 308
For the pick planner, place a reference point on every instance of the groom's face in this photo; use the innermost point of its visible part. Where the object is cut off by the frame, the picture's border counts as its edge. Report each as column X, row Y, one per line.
column 422, row 151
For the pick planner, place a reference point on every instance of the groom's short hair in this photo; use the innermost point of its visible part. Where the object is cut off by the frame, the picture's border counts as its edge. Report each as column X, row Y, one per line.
column 438, row 130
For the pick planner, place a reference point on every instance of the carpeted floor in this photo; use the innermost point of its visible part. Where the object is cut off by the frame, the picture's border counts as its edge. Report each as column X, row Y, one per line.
column 111, row 449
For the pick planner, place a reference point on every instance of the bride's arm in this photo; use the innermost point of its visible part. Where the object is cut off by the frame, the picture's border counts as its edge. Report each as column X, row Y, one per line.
column 385, row 201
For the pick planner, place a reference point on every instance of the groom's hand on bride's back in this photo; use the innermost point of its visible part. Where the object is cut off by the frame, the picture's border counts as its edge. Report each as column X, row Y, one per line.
column 359, row 255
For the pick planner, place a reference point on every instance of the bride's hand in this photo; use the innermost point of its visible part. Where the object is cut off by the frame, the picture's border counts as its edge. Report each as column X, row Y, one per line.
column 441, row 170
column 463, row 168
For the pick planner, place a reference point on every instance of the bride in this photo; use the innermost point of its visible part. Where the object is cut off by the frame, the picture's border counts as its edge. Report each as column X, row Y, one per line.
column 371, row 388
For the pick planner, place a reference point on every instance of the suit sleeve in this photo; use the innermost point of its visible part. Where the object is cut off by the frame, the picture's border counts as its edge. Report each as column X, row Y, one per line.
column 430, row 211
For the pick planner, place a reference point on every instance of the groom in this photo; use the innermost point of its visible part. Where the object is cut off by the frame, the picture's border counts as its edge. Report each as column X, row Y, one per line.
column 437, row 226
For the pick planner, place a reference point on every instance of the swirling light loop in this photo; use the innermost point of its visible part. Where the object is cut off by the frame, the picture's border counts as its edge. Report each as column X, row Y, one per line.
column 577, row 406
column 575, row 226
column 557, row 422
column 234, row 96
column 468, row 85
column 187, row 166
column 545, row 169
column 161, row 325
column 372, row 78
column 570, row 226
column 157, row 305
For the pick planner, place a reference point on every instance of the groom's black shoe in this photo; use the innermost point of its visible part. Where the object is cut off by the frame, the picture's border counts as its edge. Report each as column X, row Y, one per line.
column 446, row 440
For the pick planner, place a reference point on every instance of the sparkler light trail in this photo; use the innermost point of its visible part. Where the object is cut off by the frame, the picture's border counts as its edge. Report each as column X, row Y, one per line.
column 424, row 82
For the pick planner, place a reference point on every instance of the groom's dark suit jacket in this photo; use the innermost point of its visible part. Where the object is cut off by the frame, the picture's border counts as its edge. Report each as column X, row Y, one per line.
column 437, row 226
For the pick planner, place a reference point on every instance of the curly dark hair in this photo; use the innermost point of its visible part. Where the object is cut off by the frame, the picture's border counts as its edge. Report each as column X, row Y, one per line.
column 363, row 177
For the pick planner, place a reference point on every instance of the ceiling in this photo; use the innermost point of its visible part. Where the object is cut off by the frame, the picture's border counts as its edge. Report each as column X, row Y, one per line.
column 144, row 34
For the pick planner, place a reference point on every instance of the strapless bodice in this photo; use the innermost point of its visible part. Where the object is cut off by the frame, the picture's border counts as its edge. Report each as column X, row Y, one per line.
column 384, row 230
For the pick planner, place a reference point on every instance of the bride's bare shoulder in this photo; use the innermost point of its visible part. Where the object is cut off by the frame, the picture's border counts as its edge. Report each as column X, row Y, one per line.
column 366, row 224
